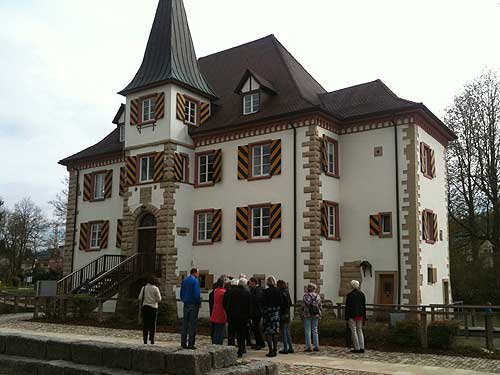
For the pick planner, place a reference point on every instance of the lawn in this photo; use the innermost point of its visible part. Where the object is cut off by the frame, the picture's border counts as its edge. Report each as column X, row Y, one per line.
column 28, row 291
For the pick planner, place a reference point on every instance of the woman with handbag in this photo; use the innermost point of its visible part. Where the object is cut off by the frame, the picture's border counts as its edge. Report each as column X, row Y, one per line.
column 311, row 314
column 148, row 299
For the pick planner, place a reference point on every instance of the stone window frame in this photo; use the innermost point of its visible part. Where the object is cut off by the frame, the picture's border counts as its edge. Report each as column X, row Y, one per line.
column 251, row 176
column 426, row 156
column 430, row 225
column 139, row 163
column 94, row 178
column 196, row 241
column 197, row 103
column 197, row 156
column 335, row 143
column 251, row 238
column 89, row 244
column 142, row 99
column 185, row 167
column 433, row 275
column 382, row 233
column 335, row 206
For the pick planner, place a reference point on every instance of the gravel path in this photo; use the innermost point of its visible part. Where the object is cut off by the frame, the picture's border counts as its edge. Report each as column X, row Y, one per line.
column 424, row 360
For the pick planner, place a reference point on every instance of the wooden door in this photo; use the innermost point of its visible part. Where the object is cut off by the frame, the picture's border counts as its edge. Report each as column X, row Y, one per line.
column 147, row 241
column 386, row 290
column 446, row 292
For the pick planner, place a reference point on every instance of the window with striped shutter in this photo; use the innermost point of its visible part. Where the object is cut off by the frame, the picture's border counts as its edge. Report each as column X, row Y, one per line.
column 430, row 231
column 324, row 219
column 422, row 158
column 324, row 153
column 181, row 107
column 243, row 162
column 275, row 221
column 204, row 112
column 217, row 166
column 119, row 233
column 123, row 181
column 433, row 164
column 242, row 223
column 178, row 167
column 134, row 111
column 217, row 226
column 108, row 184
column 88, row 181
column 131, row 170
column 159, row 167
column 435, row 234
column 375, row 225
column 275, row 157
column 84, row 236
column 160, row 106
column 103, row 243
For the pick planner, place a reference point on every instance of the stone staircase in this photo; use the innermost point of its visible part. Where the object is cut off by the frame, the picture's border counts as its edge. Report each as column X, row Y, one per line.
column 41, row 355
column 348, row 272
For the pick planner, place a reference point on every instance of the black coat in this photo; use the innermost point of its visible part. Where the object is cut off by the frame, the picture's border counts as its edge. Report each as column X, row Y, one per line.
column 286, row 304
column 257, row 301
column 238, row 307
column 211, row 301
column 355, row 305
column 272, row 297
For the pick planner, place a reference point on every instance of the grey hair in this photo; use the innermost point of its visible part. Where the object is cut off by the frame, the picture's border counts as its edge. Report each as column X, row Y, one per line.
column 355, row 284
column 311, row 287
column 271, row 281
column 242, row 282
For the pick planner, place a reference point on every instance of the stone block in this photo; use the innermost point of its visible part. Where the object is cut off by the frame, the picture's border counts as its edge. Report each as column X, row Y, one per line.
column 50, row 368
column 150, row 359
column 26, row 346
column 222, row 356
column 59, row 349
column 70, row 368
column 256, row 368
column 18, row 365
column 117, row 356
column 189, row 362
column 2, row 344
column 87, row 352
column 111, row 371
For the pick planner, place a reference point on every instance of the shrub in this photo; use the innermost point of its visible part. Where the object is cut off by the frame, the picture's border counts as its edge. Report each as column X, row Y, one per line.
column 84, row 304
column 441, row 335
column 376, row 332
column 406, row 333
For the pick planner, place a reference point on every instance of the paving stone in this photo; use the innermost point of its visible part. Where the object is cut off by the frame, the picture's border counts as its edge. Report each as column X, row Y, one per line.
column 59, row 349
column 222, row 356
column 149, row 359
column 26, row 346
column 87, row 352
column 117, row 356
column 189, row 362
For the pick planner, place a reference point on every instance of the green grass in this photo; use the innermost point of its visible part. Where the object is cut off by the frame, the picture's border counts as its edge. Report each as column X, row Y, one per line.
column 30, row 291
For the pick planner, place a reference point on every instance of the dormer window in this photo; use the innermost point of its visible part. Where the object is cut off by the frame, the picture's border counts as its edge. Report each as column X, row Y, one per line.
column 148, row 109
column 190, row 112
column 251, row 103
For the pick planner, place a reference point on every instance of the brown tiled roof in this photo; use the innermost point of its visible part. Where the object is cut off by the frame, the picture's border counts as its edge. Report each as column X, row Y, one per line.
column 109, row 145
column 296, row 89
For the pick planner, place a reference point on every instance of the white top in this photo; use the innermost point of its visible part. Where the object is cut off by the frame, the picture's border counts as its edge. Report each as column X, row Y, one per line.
column 151, row 295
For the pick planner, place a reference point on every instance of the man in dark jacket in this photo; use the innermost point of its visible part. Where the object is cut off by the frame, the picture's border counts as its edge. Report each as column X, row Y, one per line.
column 355, row 314
column 238, row 312
column 256, row 312
column 227, row 302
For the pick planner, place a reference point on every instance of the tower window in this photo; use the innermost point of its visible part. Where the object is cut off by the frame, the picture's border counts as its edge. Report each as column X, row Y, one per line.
column 148, row 109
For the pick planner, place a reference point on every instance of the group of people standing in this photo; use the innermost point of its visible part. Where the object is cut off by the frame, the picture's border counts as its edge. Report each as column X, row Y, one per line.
column 247, row 309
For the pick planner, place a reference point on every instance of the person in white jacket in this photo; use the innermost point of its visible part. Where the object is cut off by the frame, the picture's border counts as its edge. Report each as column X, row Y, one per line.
column 148, row 299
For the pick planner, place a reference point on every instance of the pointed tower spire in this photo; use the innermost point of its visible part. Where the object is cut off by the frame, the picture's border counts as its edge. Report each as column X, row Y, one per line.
column 170, row 54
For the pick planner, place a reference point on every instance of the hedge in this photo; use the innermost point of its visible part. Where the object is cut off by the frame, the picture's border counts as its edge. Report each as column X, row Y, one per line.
column 405, row 333
column 442, row 334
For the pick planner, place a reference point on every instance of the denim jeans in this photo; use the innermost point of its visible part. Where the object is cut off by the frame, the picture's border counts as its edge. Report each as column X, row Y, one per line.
column 286, row 337
column 189, row 321
column 218, row 337
column 311, row 329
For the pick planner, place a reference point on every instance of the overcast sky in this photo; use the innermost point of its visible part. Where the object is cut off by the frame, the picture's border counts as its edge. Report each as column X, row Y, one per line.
column 62, row 61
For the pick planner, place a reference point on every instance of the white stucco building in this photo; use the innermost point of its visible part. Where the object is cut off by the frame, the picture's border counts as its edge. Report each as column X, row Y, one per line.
column 241, row 162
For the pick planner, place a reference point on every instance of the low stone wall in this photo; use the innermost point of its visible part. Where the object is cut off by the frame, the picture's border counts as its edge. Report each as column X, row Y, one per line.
column 40, row 355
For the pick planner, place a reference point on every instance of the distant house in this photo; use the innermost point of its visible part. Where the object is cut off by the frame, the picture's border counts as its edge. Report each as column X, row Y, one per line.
column 241, row 162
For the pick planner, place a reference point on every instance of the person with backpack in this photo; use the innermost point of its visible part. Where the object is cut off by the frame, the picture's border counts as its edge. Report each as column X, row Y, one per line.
column 311, row 314
column 148, row 298
column 355, row 315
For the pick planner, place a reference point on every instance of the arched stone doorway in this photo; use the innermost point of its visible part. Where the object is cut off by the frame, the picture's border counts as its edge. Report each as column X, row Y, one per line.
column 146, row 234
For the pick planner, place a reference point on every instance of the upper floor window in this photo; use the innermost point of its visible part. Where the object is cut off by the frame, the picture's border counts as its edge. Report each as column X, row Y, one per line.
column 203, row 227
column 95, row 235
column 147, row 168
column 251, row 103
column 261, row 160
column 205, row 170
column 191, row 112
column 99, row 190
column 385, row 224
column 260, row 222
column 332, row 154
column 121, row 129
column 427, row 161
column 429, row 226
column 332, row 221
column 330, row 227
column 148, row 109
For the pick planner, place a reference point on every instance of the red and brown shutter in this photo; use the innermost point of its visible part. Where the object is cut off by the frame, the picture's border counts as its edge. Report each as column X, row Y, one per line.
column 204, row 112
column 88, row 182
column 108, row 183
column 243, row 162
column 324, row 153
column 435, row 234
column 275, row 224
column 119, row 233
column 84, row 236
column 433, row 164
column 276, row 157
column 324, row 219
column 131, row 170
column 134, row 111
column 217, row 166
column 123, row 181
column 160, row 106
column 181, row 107
column 103, row 243
column 217, row 226
column 158, row 167
column 423, row 167
column 178, row 167
column 425, row 226
column 374, row 225
column 242, row 227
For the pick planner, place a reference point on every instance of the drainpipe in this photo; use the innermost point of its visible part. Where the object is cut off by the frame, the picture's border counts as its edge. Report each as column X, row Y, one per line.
column 74, row 219
column 398, row 218
column 294, row 215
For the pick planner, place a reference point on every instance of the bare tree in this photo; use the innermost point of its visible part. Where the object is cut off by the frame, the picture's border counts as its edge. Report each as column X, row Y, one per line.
column 22, row 234
column 60, row 209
